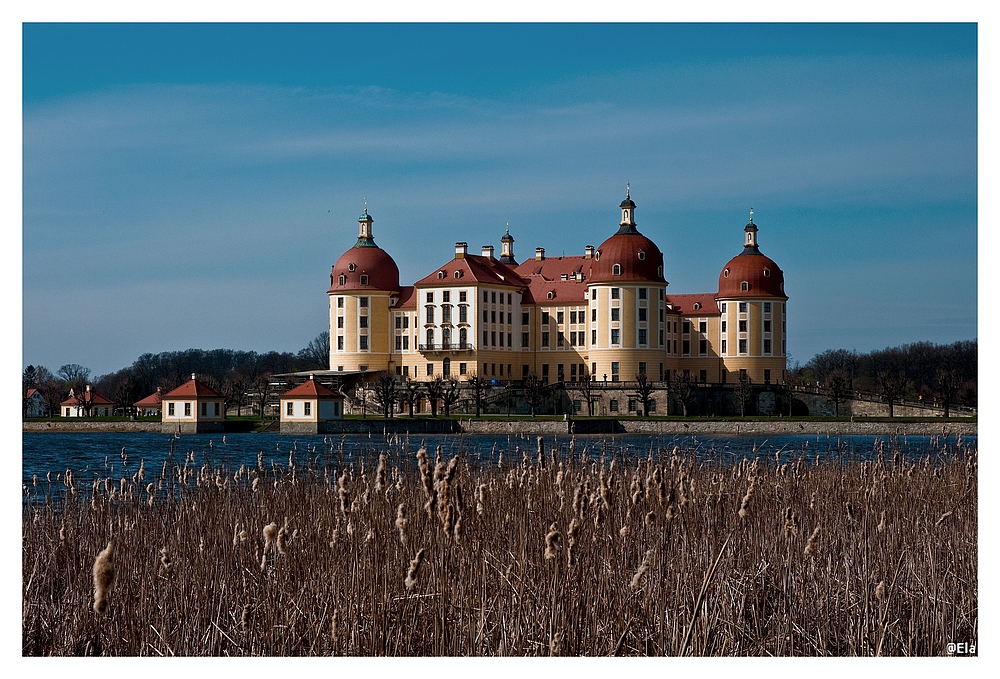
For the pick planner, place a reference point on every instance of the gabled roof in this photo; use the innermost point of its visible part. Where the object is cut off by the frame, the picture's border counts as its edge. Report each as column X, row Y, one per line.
column 473, row 268
column 154, row 400
column 193, row 389
column 545, row 276
column 407, row 298
column 685, row 304
column 312, row 388
column 95, row 399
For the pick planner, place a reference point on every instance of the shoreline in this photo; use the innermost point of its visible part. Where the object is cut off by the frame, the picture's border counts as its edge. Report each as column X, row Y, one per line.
column 580, row 426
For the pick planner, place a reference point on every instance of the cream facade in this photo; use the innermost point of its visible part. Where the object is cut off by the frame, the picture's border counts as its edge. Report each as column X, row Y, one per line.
column 605, row 315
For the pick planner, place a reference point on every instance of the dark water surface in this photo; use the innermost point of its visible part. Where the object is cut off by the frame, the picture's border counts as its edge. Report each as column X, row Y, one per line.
column 93, row 455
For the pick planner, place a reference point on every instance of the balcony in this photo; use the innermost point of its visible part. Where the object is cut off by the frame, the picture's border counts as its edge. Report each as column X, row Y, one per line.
column 447, row 346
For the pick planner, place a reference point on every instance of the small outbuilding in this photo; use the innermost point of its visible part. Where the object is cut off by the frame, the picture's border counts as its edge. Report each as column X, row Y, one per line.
column 193, row 408
column 87, row 403
column 309, row 408
column 151, row 405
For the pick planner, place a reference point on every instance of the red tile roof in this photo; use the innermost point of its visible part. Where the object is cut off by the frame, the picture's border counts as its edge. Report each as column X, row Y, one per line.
column 95, row 399
column 154, row 400
column 312, row 388
column 473, row 268
column 684, row 304
column 407, row 298
column 192, row 389
column 545, row 276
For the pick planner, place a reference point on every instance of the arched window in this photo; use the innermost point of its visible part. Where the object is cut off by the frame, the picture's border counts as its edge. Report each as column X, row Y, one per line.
column 767, row 273
column 458, row 274
column 343, row 279
column 364, row 280
column 441, row 274
column 616, row 270
column 445, row 337
column 430, row 338
column 744, row 286
column 726, row 273
column 463, row 337
column 351, row 266
column 697, row 305
column 659, row 271
column 550, row 294
column 446, row 367
column 641, row 255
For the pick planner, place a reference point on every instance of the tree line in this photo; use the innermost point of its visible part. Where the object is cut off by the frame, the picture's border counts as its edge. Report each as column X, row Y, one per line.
column 240, row 376
column 943, row 373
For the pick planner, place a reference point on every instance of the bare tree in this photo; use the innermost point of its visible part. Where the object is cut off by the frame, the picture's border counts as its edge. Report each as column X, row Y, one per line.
column 948, row 384
column 837, row 388
column 644, row 391
column 479, row 387
column 385, row 394
column 234, row 390
column 29, row 381
column 434, row 389
column 74, row 375
column 450, row 394
column 585, row 388
column 532, row 391
column 683, row 390
column 409, row 391
column 743, row 392
column 316, row 354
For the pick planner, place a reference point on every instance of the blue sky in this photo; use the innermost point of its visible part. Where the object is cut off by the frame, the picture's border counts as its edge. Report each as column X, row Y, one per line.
column 191, row 185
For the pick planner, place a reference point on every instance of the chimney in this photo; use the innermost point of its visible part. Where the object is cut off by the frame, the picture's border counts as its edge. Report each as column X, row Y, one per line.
column 589, row 252
column 564, row 277
column 192, row 376
column 488, row 251
column 539, row 254
column 461, row 250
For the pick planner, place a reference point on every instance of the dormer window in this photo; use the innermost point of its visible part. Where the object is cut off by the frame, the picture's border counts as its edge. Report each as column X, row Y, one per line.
column 697, row 305
column 441, row 274
column 351, row 266
column 659, row 271
column 726, row 273
column 767, row 273
column 744, row 286
column 550, row 294
column 458, row 274
column 364, row 280
column 616, row 270
column 343, row 279
column 641, row 255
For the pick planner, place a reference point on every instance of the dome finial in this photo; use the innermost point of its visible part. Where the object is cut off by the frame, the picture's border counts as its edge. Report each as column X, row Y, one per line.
column 628, row 189
column 751, row 214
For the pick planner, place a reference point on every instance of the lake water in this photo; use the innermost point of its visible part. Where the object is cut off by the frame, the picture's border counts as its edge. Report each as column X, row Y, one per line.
column 93, row 455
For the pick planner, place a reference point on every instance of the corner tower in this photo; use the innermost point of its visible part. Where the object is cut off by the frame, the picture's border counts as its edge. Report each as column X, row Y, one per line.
column 364, row 284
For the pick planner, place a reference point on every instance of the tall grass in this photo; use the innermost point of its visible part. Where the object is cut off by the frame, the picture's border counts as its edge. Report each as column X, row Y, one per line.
column 557, row 555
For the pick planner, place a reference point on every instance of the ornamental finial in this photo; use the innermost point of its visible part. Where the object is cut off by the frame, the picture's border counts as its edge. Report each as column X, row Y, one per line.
column 751, row 215
column 628, row 189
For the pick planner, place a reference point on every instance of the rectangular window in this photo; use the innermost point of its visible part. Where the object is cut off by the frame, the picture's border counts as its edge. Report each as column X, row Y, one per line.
column 767, row 307
column 216, row 404
column 642, row 367
column 406, row 341
column 463, row 368
column 399, row 322
column 743, row 326
column 614, row 293
column 340, row 342
column 661, row 338
column 576, row 406
column 204, row 409
column 545, row 371
column 686, row 327
column 524, row 339
column 642, row 293
column 702, row 326
column 703, row 376
column 363, row 320
column 593, row 315
column 501, row 339
column 406, row 322
column 723, row 347
column 560, row 339
column 723, row 307
column 340, row 302
column 614, row 336
column 560, row 372
column 767, row 377
column 493, row 338
column 340, row 321
column 631, row 405
column 170, row 410
column 723, row 326
column 486, row 316
column 642, row 314
column 767, row 346
column 399, row 342
column 686, row 347
column 572, row 317
column 545, row 318
column 430, row 368
column 187, row 410
column 486, row 338
column 290, row 408
column 307, row 408
column 642, row 335
column 494, row 296
column 486, row 296
column 743, row 346
column 545, row 339
column 446, row 296
column 430, row 297
column 702, row 347
column 493, row 316
column 561, row 317
column 363, row 340
column 593, row 337
column 509, row 343
column 510, row 297
column 743, row 307
column 363, row 301
column 462, row 297
column 446, row 314
column 524, row 370
column 524, row 318
column 767, row 326
column 614, row 405
column 463, row 314
column 615, row 314
column 406, row 371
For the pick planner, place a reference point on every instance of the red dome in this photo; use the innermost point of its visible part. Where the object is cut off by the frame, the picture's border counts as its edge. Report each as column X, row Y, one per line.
column 373, row 262
column 762, row 276
column 637, row 257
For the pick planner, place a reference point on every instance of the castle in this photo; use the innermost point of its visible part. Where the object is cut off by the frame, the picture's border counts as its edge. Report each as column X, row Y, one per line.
column 604, row 315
